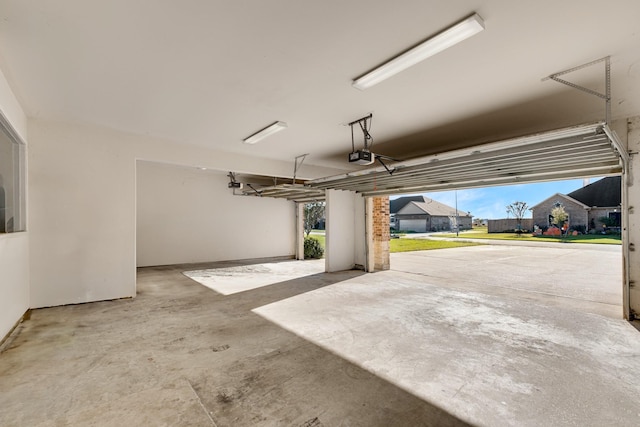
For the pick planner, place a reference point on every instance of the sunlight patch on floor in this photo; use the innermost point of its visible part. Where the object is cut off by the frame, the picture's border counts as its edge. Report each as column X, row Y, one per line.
column 231, row 280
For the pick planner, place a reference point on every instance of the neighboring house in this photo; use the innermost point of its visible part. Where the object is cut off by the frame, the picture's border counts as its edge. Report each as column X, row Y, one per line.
column 421, row 214
column 396, row 204
column 585, row 206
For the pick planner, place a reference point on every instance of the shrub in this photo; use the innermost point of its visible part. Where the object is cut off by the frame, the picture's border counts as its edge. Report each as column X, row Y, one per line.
column 609, row 221
column 312, row 248
column 582, row 229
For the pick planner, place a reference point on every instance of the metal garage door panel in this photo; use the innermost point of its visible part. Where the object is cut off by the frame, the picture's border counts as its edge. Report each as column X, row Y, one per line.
column 586, row 150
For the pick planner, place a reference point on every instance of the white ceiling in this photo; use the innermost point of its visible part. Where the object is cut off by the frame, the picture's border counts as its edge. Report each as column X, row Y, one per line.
column 212, row 72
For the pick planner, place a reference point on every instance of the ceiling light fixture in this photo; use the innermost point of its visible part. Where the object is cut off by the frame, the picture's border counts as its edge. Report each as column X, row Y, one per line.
column 263, row 133
column 441, row 41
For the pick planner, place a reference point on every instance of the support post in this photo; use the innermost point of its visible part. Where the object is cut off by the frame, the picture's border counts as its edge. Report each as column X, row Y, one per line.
column 345, row 231
column 299, row 231
column 339, row 231
column 631, row 249
column 370, row 250
column 380, row 233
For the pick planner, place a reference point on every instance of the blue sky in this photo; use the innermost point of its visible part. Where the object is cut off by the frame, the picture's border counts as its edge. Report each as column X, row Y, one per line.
column 490, row 203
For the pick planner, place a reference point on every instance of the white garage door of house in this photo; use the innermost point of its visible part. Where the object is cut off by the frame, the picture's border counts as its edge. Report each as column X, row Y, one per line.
column 417, row 225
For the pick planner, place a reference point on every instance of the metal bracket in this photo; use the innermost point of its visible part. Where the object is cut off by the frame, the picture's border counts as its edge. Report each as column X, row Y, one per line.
column 607, row 76
column 258, row 193
column 297, row 165
column 625, row 156
column 232, row 180
column 365, row 125
column 391, row 171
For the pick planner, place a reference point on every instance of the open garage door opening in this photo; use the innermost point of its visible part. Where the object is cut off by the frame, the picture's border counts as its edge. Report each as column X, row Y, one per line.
column 588, row 150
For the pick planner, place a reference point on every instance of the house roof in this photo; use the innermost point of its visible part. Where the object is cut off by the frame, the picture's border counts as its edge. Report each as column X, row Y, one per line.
column 399, row 203
column 433, row 208
column 560, row 196
column 604, row 192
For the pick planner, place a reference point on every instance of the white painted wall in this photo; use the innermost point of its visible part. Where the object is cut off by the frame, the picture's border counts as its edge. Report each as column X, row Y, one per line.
column 81, row 216
column 345, row 230
column 11, row 109
column 14, row 279
column 187, row 215
column 14, row 248
column 82, row 213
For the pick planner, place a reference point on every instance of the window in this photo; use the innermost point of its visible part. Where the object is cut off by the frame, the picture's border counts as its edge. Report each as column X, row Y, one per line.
column 615, row 219
column 12, row 200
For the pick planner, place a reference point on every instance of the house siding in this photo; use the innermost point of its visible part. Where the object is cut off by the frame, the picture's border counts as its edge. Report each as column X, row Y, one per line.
column 596, row 213
column 466, row 222
column 441, row 223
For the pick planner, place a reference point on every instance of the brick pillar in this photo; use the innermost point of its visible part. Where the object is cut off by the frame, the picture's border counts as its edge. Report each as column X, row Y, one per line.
column 380, row 234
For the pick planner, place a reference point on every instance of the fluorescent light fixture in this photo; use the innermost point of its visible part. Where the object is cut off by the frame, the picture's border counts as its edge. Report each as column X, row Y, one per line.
column 268, row 131
column 441, row 41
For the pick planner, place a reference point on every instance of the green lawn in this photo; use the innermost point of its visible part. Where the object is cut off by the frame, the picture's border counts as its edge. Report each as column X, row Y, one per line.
column 607, row 239
column 406, row 245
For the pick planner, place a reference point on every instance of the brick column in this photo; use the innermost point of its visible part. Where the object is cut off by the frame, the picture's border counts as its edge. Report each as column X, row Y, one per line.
column 380, row 234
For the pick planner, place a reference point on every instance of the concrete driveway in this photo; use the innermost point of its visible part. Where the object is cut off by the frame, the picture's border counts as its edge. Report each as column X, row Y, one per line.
column 582, row 277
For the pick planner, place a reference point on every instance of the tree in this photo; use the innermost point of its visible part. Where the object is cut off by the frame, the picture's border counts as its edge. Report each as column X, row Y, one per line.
column 518, row 210
column 559, row 215
column 313, row 212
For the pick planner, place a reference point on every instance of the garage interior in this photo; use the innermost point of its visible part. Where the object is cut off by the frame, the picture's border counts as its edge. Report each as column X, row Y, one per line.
column 129, row 123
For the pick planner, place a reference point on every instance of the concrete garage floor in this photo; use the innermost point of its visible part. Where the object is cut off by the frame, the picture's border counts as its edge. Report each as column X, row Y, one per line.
column 448, row 338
